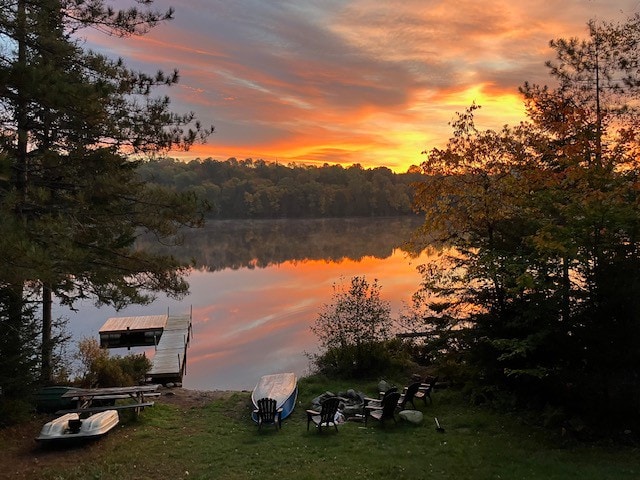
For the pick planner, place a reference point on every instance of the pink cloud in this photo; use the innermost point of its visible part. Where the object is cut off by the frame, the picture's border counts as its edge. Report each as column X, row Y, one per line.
column 293, row 81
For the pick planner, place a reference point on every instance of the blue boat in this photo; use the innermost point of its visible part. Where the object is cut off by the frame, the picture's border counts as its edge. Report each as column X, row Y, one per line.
column 282, row 387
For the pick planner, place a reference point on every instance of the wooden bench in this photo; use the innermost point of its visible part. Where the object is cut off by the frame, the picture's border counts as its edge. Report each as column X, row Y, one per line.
column 136, row 406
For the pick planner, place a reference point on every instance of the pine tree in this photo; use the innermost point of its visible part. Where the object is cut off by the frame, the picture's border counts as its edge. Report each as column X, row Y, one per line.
column 545, row 220
column 73, row 121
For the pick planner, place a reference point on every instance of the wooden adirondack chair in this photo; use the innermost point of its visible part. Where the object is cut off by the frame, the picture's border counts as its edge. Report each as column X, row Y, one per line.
column 267, row 413
column 377, row 402
column 408, row 395
column 426, row 388
column 384, row 412
column 326, row 417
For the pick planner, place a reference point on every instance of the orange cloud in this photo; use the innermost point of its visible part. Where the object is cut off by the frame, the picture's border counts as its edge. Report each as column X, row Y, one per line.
column 364, row 82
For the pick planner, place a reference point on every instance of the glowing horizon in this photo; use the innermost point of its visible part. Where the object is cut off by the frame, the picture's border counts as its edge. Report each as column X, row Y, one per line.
column 351, row 81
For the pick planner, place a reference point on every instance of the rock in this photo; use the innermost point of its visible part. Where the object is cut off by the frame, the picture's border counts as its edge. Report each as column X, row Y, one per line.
column 352, row 396
column 169, row 385
column 317, row 402
column 383, row 386
column 350, row 405
column 352, row 410
column 413, row 416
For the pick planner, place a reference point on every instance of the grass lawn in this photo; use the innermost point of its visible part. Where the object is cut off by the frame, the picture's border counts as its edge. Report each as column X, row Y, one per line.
column 219, row 440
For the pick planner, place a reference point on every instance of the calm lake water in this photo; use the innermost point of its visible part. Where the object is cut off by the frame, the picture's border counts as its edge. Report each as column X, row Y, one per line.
column 259, row 285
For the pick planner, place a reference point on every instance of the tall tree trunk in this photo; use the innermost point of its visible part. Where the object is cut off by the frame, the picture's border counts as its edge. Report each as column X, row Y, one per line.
column 20, row 167
column 598, row 107
column 12, row 365
column 14, row 362
column 566, row 290
column 46, row 349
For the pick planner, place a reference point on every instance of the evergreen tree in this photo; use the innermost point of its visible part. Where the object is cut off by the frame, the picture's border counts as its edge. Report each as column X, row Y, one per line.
column 544, row 219
column 72, row 120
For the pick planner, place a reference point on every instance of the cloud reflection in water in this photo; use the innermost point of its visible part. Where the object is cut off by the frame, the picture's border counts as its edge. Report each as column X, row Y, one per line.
column 248, row 323
column 258, row 286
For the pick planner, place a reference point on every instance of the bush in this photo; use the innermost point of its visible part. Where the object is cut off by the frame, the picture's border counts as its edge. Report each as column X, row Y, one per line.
column 353, row 331
column 363, row 361
column 121, row 371
column 101, row 370
column 135, row 367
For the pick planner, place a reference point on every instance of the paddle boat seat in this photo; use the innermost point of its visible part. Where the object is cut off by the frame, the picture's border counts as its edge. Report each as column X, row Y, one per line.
column 267, row 413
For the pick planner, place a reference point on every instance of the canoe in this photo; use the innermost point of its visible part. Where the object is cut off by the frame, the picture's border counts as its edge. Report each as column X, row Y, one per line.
column 50, row 399
column 282, row 387
column 70, row 426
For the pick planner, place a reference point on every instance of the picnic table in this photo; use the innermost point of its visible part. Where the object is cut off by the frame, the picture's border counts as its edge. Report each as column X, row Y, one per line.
column 85, row 398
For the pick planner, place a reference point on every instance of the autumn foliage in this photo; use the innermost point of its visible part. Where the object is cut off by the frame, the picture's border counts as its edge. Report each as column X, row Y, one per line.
column 544, row 223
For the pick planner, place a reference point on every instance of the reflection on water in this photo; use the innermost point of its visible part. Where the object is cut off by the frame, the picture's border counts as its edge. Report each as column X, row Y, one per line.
column 253, row 321
column 261, row 243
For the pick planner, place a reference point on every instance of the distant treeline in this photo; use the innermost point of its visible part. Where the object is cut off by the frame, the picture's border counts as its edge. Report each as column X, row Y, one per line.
column 258, row 189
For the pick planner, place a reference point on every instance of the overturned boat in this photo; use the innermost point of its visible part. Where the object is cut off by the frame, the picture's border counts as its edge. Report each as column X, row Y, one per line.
column 282, row 387
column 71, row 426
column 50, row 399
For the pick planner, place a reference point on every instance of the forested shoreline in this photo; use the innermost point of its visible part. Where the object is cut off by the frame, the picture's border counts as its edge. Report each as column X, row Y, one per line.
column 237, row 189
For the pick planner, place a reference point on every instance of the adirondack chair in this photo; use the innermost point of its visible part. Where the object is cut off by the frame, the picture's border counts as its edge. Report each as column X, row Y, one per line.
column 426, row 388
column 326, row 417
column 408, row 395
column 384, row 412
column 267, row 413
column 377, row 402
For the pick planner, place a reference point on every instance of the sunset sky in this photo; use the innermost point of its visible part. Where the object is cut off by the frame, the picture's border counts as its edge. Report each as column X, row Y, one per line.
column 351, row 81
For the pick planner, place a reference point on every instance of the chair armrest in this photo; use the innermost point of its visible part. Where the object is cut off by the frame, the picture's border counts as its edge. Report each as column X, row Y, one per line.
column 372, row 402
column 372, row 407
column 312, row 412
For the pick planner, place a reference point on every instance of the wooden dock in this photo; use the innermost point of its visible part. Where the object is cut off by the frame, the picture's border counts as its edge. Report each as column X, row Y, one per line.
column 170, row 360
column 169, row 334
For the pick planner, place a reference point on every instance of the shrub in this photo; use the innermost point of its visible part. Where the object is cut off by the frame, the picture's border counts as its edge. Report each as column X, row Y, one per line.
column 353, row 330
column 99, row 369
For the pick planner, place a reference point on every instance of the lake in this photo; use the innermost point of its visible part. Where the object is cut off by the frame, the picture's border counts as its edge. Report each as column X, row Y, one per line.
column 257, row 286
